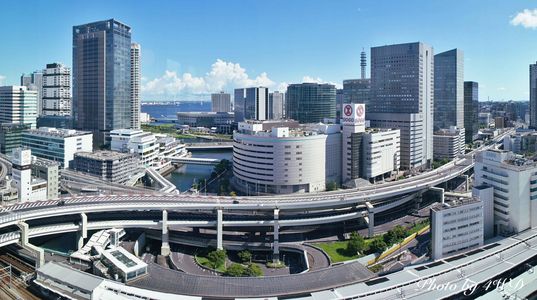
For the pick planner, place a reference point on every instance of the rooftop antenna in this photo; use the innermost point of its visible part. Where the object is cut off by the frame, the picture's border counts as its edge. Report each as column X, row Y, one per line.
column 363, row 62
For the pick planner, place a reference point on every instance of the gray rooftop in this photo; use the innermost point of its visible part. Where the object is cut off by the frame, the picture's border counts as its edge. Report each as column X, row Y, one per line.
column 103, row 155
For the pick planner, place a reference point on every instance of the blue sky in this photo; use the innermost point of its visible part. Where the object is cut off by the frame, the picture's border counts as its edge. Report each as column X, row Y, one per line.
column 191, row 48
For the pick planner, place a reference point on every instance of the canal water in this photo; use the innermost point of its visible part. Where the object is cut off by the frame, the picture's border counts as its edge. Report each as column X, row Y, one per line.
column 184, row 177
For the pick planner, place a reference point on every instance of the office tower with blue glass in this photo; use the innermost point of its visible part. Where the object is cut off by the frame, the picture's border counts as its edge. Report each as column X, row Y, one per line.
column 471, row 110
column 402, row 88
column 311, row 102
column 251, row 104
column 449, row 89
column 533, row 96
column 102, row 78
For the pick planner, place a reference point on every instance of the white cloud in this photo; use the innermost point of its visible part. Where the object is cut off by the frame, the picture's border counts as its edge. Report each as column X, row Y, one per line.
column 222, row 76
column 311, row 79
column 527, row 18
column 2, row 78
column 501, row 89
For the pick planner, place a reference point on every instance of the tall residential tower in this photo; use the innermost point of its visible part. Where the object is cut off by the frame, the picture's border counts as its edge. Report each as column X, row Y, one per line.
column 56, row 90
column 135, row 85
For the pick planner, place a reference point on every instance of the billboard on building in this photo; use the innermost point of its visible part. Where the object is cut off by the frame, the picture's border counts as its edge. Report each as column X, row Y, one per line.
column 353, row 114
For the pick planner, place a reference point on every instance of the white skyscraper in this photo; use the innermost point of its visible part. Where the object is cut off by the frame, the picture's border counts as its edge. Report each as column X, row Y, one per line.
column 276, row 105
column 34, row 82
column 402, row 79
column 18, row 105
column 135, row 85
column 56, row 99
column 221, row 102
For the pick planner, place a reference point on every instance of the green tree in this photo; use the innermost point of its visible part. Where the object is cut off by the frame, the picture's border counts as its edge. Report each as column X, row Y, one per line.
column 217, row 258
column 235, row 270
column 331, row 186
column 377, row 246
column 245, row 256
column 400, row 231
column 253, row 270
column 356, row 243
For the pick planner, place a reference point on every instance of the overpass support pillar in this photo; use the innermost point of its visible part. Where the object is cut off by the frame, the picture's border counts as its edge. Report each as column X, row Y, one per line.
column 83, row 233
column 276, row 243
column 439, row 190
column 371, row 217
column 39, row 253
column 466, row 182
column 219, row 229
column 165, row 248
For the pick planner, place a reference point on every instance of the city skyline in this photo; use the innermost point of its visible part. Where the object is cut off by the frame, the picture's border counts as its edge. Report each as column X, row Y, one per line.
column 202, row 49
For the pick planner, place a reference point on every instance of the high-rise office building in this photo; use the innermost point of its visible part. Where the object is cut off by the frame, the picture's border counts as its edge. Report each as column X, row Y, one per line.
column 56, row 99
column 471, row 110
column 221, row 102
column 34, row 82
column 357, row 91
column 251, row 104
column 102, row 77
column 18, row 105
column 449, row 89
column 533, row 96
column 276, row 105
column 135, row 85
column 402, row 85
column 311, row 102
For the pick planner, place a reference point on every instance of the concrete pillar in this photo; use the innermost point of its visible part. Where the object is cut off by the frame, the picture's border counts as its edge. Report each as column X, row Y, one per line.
column 219, row 229
column 441, row 191
column 83, row 233
column 39, row 253
column 371, row 217
column 467, row 182
column 276, row 243
column 165, row 248
column 24, row 229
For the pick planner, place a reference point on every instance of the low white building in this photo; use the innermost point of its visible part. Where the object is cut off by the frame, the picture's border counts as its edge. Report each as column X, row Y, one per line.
column 59, row 145
column 127, row 266
column 283, row 157
column 448, row 143
column 456, row 226
column 143, row 144
column 381, row 150
column 514, row 180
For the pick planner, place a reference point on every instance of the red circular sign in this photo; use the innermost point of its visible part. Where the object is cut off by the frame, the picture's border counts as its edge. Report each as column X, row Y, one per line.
column 360, row 110
column 347, row 110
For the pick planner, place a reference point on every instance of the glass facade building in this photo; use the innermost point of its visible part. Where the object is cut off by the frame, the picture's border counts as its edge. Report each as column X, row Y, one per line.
column 449, row 89
column 471, row 110
column 533, row 95
column 402, row 93
column 102, row 77
column 310, row 102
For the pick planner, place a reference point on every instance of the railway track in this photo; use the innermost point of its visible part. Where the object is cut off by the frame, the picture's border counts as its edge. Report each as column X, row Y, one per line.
column 12, row 287
column 17, row 264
